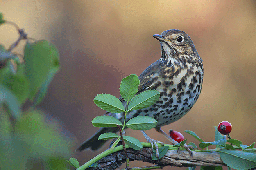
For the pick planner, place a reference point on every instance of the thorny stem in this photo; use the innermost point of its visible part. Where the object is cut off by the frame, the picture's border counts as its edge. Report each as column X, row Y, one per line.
column 123, row 143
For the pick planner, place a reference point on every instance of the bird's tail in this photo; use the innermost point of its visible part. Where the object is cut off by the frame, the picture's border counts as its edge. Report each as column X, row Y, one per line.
column 93, row 143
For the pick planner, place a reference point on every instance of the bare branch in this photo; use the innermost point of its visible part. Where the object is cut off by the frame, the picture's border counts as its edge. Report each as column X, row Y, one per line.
column 172, row 158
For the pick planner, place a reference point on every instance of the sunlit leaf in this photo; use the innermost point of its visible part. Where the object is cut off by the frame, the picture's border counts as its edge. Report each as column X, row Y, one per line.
column 129, row 87
column 133, row 142
column 141, row 123
column 144, row 100
column 106, row 136
column 105, row 121
column 109, row 103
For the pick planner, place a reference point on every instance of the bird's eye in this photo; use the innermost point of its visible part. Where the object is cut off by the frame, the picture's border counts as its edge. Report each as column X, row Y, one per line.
column 180, row 39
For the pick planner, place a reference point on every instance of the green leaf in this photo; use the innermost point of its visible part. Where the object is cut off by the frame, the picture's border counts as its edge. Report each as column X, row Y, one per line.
column 74, row 162
column 162, row 151
column 251, row 146
column 181, row 144
column 144, row 100
column 16, row 83
column 1, row 18
column 229, row 147
column 133, row 142
column 8, row 99
column 41, row 61
column 235, row 142
column 141, row 123
column 204, row 144
column 218, row 135
column 109, row 103
column 210, row 168
column 106, row 136
column 220, row 142
column 238, row 159
column 55, row 162
column 105, row 121
column 43, row 89
column 129, row 86
column 193, row 145
column 38, row 137
column 194, row 135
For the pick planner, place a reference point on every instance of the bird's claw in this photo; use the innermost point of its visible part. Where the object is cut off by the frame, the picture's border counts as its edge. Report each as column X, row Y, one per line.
column 153, row 143
column 188, row 148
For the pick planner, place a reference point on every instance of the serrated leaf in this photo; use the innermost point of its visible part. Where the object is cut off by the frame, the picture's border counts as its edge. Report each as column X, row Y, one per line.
column 74, row 162
column 144, row 100
column 141, row 123
column 41, row 58
column 109, row 103
column 194, row 135
column 129, row 86
column 106, row 136
column 193, row 145
column 204, row 144
column 235, row 142
column 162, row 151
column 238, row 159
column 105, row 121
column 133, row 142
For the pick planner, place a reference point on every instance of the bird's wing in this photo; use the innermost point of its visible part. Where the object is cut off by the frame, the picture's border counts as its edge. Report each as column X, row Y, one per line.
column 147, row 76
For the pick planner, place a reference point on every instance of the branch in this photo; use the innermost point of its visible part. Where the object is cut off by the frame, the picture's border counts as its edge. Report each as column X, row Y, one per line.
column 172, row 158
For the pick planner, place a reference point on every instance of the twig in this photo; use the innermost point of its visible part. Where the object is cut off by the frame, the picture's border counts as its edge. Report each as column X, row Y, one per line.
column 22, row 36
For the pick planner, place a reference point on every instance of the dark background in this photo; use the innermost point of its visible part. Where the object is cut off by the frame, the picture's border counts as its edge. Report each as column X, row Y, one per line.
column 101, row 42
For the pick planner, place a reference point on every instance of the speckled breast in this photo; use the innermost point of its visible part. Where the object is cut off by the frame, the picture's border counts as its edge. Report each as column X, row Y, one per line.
column 179, row 87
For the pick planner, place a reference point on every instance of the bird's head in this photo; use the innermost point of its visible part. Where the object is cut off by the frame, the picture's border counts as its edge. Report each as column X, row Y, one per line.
column 176, row 44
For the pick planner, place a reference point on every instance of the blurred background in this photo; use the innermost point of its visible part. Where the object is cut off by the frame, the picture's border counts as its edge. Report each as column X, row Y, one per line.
column 102, row 41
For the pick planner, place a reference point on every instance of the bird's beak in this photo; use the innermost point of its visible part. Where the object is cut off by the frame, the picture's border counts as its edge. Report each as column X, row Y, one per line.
column 158, row 37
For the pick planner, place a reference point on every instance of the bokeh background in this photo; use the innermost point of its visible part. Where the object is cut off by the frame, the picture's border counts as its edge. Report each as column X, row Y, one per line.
column 102, row 41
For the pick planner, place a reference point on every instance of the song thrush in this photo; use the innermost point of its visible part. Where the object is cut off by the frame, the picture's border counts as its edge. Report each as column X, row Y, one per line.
column 177, row 75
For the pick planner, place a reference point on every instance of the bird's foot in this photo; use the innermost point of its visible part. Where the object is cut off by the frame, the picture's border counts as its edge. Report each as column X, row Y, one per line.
column 153, row 143
column 188, row 148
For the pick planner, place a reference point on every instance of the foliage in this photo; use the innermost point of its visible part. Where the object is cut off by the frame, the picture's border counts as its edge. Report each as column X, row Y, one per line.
column 232, row 152
column 28, row 137
column 235, row 154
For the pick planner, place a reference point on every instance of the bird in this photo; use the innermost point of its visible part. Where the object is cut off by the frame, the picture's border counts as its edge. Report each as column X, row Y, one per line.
column 177, row 75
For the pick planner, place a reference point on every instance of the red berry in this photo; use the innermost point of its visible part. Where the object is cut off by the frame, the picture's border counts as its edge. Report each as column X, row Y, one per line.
column 224, row 127
column 177, row 136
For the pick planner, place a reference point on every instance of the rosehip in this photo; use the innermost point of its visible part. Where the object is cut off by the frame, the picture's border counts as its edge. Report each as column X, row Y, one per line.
column 224, row 127
column 177, row 136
